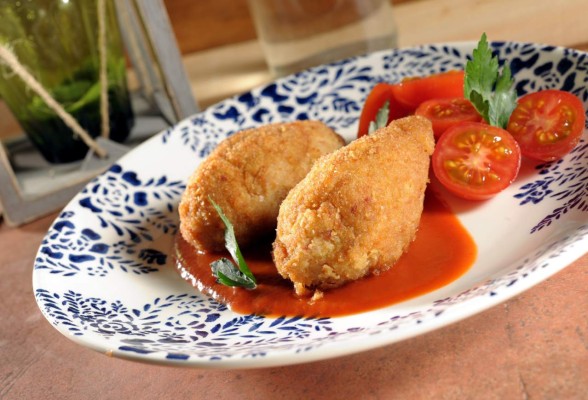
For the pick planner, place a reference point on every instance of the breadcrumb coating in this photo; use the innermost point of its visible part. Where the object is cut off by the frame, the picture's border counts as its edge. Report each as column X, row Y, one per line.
column 248, row 175
column 358, row 208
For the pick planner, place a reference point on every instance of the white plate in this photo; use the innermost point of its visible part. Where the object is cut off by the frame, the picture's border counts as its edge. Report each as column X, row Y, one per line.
column 104, row 275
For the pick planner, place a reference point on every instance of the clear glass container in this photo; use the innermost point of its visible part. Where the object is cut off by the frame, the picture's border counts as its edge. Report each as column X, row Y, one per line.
column 298, row 34
column 57, row 41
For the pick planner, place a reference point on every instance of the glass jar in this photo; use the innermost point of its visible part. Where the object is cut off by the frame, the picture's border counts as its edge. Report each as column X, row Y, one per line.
column 57, row 42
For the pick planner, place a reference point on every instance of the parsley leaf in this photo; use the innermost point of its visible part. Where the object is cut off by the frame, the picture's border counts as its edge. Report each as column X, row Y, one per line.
column 223, row 269
column 504, row 100
column 226, row 274
column 490, row 92
column 381, row 118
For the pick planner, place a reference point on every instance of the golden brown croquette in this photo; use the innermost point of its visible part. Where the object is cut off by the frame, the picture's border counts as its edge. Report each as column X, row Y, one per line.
column 248, row 175
column 358, row 208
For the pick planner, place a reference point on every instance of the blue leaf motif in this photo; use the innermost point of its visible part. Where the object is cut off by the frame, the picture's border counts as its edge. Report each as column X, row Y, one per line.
column 50, row 253
column 212, row 317
column 140, row 199
column 79, row 258
column 90, row 234
column 568, row 185
column 272, row 92
column 230, row 113
column 87, row 203
column 131, row 177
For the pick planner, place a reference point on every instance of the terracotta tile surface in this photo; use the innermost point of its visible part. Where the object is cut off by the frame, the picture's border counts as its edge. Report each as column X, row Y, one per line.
column 534, row 346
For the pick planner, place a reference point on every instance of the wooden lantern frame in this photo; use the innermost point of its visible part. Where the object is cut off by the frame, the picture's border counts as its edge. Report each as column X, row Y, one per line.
column 162, row 100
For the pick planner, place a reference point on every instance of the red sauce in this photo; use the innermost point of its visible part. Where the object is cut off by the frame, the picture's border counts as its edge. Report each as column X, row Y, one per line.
column 442, row 251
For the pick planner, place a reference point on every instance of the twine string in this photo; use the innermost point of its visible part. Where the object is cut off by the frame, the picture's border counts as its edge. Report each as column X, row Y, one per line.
column 103, row 73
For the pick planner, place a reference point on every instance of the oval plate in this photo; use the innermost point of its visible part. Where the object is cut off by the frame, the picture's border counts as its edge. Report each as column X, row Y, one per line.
column 104, row 274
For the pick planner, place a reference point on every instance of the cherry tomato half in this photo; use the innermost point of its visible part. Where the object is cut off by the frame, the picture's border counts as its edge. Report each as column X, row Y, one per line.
column 476, row 161
column 547, row 124
column 413, row 91
column 381, row 93
column 444, row 113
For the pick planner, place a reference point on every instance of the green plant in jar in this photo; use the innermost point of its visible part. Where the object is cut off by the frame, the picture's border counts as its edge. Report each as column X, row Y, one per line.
column 57, row 42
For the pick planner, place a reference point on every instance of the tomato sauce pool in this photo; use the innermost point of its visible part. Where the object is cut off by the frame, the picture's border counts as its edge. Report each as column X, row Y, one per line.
column 441, row 252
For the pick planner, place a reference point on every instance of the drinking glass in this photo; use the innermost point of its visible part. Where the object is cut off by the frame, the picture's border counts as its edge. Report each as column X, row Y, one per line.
column 297, row 34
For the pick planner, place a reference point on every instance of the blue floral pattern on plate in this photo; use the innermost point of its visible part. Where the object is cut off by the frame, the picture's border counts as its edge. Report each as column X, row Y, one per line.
column 104, row 275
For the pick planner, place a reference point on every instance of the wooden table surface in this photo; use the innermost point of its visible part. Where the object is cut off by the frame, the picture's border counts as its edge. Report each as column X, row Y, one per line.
column 534, row 346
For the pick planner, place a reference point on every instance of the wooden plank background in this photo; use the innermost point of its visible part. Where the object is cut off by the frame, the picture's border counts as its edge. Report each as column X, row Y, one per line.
column 205, row 24
column 222, row 56
column 206, row 29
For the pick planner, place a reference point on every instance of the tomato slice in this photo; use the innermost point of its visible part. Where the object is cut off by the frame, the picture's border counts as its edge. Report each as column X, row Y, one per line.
column 475, row 161
column 547, row 124
column 413, row 91
column 381, row 93
column 445, row 113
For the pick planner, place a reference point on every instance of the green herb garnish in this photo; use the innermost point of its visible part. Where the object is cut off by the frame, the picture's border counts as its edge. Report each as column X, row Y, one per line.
column 225, row 272
column 491, row 93
column 381, row 118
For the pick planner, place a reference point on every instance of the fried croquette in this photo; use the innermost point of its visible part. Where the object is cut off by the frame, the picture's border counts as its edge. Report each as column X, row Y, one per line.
column 248, row 175
column 357, row 210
